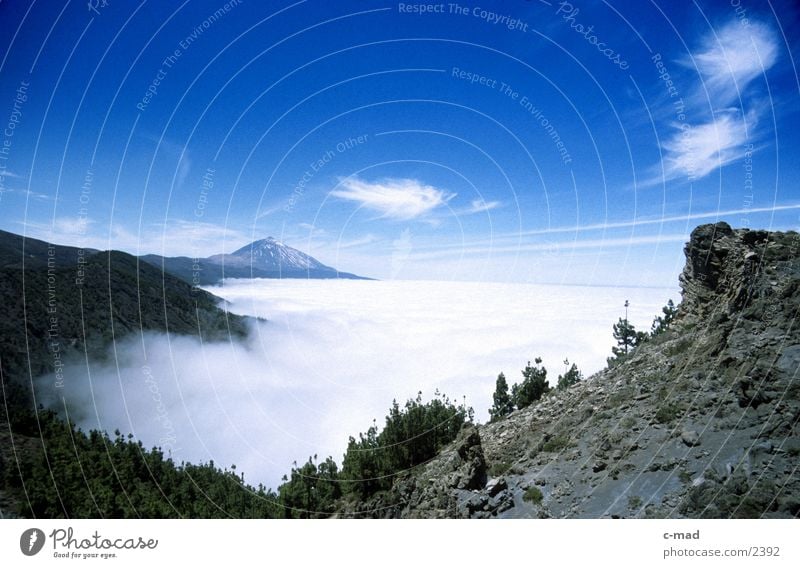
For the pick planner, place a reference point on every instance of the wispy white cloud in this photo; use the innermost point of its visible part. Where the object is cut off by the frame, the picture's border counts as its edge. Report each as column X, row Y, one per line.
column 271, row 210
column 180, row 237
column 177, row 151
column 720, row 214
column 402, row 199
column 479, row 206
column 548, row 247
column 367, row 239
column 62, row 230
column 311, row 228
column 184, row 167
column 518, row 238
column 27, row 193
column 731, row 57
column 727, row 61
column 72, row 225
column 697, row 151
column 30, row 194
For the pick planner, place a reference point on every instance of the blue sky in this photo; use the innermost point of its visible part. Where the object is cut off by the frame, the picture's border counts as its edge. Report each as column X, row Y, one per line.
column 530, row 141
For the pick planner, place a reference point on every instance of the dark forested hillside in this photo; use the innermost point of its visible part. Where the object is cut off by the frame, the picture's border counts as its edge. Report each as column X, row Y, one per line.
column 63, row 310
column 69, row 303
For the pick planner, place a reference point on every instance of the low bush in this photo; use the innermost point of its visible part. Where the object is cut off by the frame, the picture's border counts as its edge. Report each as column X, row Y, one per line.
column 533, row 495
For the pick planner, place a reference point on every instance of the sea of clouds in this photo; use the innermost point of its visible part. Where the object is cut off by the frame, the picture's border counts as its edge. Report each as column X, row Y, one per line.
column 331, row 357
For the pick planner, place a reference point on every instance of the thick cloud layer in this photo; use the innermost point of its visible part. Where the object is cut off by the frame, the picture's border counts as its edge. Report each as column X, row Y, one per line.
column 330, row 359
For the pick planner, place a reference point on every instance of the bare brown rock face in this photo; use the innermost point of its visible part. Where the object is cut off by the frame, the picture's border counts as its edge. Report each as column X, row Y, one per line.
column 699, row 421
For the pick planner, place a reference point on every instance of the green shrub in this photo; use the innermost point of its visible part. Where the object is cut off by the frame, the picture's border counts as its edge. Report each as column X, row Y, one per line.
column 679, row 346
column 620, row 397
column 668, row 412
column 499, row 468
column 533, row 495
column 556, row 444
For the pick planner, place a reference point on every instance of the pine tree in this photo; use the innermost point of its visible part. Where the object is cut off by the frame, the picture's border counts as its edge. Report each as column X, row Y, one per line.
column 413, row 434
column 310, row 491
column 626, row 337
column 534, row 385
column 662, row 324
column 625, row 334
column 503, row 405
column 570, row 377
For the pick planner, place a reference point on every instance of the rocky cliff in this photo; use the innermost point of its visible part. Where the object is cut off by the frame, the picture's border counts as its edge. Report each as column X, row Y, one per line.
column 700, row 421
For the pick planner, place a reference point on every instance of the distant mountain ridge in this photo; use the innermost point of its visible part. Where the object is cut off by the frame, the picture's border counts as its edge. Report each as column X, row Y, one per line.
column 264, row 258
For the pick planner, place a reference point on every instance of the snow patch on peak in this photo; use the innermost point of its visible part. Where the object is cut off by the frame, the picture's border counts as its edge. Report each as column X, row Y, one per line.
column 271, row 254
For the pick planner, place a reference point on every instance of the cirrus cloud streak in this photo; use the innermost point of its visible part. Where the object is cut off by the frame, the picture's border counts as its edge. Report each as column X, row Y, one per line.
column 400, row 199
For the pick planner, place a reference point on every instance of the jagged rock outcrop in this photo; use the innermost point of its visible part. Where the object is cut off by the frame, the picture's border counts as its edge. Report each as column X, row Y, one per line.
column 699, row 421
column 726, row 271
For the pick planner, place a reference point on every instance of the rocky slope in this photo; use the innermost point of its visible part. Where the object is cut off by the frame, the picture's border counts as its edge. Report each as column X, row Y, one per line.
column 700, row 421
